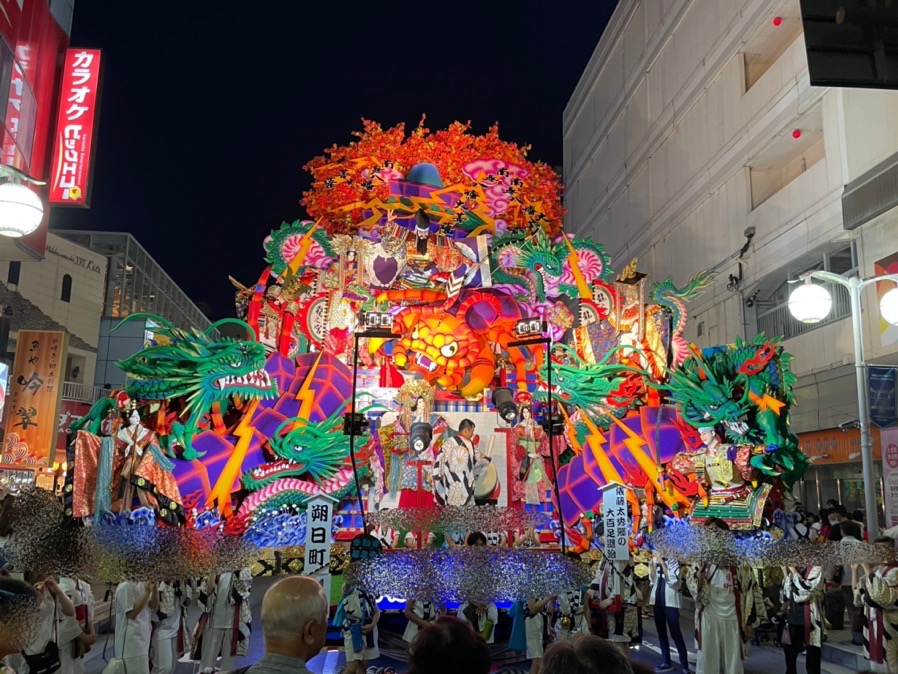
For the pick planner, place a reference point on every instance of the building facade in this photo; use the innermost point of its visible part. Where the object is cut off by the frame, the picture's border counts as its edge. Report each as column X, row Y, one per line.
column 135, row 284
column 693, row 133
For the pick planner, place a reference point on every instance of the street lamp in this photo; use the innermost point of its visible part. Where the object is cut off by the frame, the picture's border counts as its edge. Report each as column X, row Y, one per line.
column 811, row 303
column 21, row 209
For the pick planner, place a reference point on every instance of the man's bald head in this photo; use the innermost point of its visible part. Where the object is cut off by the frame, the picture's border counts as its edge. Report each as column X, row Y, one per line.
column 294, row 617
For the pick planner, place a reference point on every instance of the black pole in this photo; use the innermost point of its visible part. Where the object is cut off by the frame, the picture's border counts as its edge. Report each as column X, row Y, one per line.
column 552, row 448
column 352, row 432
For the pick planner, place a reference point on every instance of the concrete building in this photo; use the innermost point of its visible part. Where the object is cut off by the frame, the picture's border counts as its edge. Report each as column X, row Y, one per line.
column 135, row 283
column 694, row 125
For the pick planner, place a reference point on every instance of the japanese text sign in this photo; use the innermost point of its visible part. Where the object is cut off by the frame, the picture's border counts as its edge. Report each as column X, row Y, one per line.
column 319, row 520
column 614, row 516
column 33, row 399
column 75, row 128
column 889, row 441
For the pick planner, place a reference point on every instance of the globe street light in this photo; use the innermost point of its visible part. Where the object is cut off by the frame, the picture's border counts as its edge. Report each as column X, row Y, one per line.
column 811, row 303
column 21, row 209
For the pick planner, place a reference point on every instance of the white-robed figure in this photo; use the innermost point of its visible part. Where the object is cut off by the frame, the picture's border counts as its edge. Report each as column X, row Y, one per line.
column 55, row 607
column 170, row 637
column 876, row 591
column 76, row 632
column 419, row 614
column 481, row 617
column 225, row 624
column 803, row 591
column 357, row 615
column 134, row 604
column 458, row 467
column 535, row 630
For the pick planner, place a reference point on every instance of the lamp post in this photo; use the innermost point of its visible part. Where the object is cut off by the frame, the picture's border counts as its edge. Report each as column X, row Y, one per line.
column 811, row 303
column 21, row 209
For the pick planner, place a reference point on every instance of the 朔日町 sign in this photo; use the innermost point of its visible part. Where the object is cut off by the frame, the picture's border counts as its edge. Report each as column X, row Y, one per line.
column 32, row 401
column 76, row 123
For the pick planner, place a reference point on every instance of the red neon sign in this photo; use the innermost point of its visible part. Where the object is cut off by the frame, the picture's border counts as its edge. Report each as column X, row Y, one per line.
column 70, row 168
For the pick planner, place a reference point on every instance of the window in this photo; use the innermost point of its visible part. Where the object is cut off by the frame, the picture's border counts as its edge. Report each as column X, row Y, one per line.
column 66, row 295
column 774, row 317
column 12, row 277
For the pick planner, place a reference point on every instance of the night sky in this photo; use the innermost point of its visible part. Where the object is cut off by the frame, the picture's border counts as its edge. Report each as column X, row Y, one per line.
column 210, row 109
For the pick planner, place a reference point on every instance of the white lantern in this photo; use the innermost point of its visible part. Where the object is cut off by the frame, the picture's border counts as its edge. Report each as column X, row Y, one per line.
column 888, row 306
column 810, row 303
column 21, row 210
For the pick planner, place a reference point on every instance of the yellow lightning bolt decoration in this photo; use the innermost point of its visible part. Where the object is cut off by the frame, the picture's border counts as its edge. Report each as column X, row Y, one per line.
column 767, row 402
column 221, row 492
column 305, row 243
column 305, row 394
column 595, row 440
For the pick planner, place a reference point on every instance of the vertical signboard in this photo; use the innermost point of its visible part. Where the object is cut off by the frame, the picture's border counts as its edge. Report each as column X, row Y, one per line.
column 614, row 517
column 72, row 160
column 69, row 411
column 888, row 438
column 32, row 405
column 881, row 382
column 319, row 523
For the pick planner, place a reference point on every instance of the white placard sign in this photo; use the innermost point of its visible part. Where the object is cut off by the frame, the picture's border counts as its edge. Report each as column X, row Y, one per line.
column 319, row 525
column 614, row 517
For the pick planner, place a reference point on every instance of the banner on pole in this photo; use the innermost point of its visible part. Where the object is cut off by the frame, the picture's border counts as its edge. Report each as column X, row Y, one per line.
column 881, row 382
column 889, row 441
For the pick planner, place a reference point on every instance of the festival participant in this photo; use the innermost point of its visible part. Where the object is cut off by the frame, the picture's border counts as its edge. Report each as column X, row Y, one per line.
column 420, row 614
column 571, row 610
column 664, row 596
column 76, row 633
column 803, row 590
column 851, row 537
column 357, row 615
column 459, row 465
column 615, row 590
column 20, row 615
column 449, row 646
column 877, row 593
column 535, row 629
column 482, row 617
column 134, row 604
column 169, row 641
column 224, row 626
column 728, row 605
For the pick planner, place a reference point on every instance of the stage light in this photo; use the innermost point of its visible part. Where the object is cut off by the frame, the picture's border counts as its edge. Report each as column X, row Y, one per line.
column 527, row 327
column 420, row 435
column 503, row 401
column 556, row 421
column 354, row 424
column 377, row 319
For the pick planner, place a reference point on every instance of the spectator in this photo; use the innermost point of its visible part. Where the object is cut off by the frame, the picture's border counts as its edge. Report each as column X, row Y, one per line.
column 585, row 654
column 134, row 604
column 19, row 615
column 448, row 646
column 294, row 624
column 851, row 535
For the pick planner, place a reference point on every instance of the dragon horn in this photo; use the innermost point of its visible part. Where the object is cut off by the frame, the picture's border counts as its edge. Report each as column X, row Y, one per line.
column 233, row 321
column 147, row 317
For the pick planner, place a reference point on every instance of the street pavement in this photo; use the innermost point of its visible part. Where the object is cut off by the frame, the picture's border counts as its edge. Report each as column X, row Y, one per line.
column 764, row 659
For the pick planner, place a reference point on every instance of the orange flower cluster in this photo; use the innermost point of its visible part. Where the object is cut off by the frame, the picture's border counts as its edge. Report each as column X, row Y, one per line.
column 350, row 176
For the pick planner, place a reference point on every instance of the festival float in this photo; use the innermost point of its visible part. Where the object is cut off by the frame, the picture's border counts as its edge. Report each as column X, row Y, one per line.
column 432, row 282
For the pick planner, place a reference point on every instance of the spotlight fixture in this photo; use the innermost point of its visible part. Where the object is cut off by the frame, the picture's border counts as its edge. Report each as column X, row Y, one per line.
column 377, row 319
column 354, row 423
column 420, row 435
column 503, row 401
column 527, row 327
column 555, row 422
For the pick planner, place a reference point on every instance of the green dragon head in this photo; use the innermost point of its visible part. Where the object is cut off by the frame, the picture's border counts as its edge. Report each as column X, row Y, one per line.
column 706, row 400
column 198, row 367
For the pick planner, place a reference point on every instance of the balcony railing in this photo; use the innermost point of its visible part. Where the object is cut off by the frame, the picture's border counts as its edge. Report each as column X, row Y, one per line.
column 779, row 320
column 83, row 392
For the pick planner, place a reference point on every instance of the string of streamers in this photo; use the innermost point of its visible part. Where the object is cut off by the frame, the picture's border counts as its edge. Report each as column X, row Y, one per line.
column 477, row 574
column 706, row 545
column 457, row 519
column 116, row 549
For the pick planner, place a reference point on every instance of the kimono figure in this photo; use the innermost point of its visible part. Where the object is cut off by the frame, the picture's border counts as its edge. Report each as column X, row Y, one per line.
column 419, row 614
column 411, row 472
column 571, row 614
column 877, row 593
column 804, row 616
column 226, row 622
column 481, row 617
column 75, row 633
column 171, row 638
column 531, row 444
column 357, row 614
column 729, row 605
column 619, row 603
column 459, row 466
column 141, row 465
